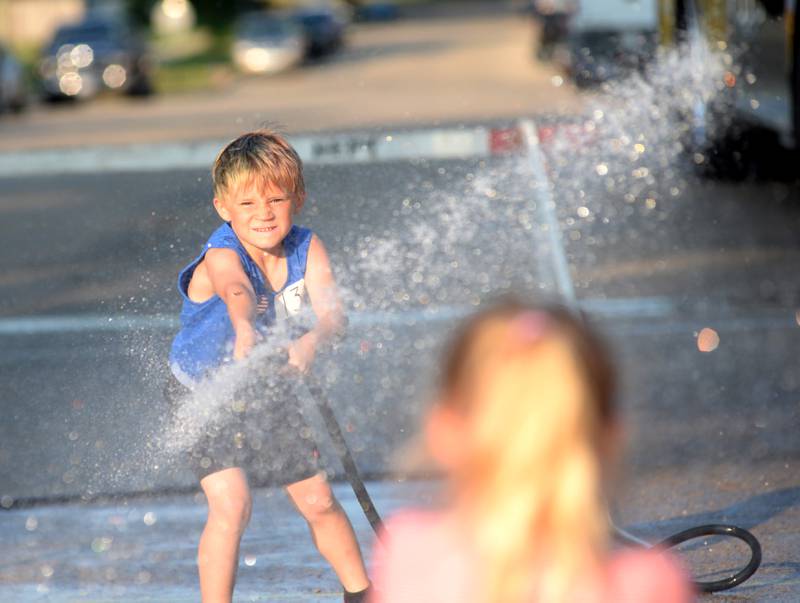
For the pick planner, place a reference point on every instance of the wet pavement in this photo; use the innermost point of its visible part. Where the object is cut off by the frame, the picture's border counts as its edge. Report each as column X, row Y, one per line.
column 711, row 436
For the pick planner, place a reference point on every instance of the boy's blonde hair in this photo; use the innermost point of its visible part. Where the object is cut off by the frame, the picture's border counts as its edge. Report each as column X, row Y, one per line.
column 260, row 157
column 536, row 389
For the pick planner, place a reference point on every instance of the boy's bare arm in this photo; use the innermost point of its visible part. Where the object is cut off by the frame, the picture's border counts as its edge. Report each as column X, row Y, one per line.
column 231, row 284
column 322, row 292
column 325, row 302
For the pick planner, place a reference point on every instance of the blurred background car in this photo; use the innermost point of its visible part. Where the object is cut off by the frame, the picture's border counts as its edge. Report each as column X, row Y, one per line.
column 597, row 40
column 554, row 16
column 325, row 27
column 267, row 43
column 376, row 10
column 13, row 87
column 96, row 54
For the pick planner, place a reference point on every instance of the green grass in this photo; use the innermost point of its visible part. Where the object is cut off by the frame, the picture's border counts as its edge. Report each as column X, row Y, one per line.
column 170, row 79
column 209, row 66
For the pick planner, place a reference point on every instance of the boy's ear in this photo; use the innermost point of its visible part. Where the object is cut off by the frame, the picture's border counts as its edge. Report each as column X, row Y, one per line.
column 222, row 210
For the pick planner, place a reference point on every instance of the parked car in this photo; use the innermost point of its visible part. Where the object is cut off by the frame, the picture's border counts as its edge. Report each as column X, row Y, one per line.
column 554, row 16
column 267, row 43
column 94, row 55
column 325, row 27
column 606, row 39
column 376, row 10
column 13, row 88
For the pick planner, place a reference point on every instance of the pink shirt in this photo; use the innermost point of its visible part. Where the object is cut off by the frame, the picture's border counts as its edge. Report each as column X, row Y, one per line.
column 425, row 560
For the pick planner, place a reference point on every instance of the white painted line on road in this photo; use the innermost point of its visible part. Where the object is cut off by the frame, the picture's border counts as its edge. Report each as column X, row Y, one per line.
column 645, row 307
column 547, row 210
column 437, row 143
column 636, row 307
column 54, row 324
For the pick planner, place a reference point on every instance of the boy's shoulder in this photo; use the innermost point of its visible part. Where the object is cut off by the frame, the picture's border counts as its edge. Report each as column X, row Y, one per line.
column 223, row 236
column 298, row 239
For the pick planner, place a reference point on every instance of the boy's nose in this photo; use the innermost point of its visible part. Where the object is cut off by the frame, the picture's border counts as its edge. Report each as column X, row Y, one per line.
column 265, row 212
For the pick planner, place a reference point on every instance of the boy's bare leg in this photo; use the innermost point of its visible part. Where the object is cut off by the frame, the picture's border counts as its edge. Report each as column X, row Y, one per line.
column 229, row 506
column 331, row 530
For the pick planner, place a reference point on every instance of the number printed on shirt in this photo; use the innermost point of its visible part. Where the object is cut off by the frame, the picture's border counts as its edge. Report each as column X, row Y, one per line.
column 290, row 301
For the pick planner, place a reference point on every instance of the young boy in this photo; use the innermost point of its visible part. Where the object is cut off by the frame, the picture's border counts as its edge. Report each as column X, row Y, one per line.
column 255, row 269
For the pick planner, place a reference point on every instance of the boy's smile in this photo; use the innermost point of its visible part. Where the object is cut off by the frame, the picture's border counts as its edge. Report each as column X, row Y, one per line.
column 260, row 215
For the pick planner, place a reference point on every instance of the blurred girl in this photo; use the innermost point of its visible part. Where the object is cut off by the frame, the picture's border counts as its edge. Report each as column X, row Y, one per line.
column 525, row 430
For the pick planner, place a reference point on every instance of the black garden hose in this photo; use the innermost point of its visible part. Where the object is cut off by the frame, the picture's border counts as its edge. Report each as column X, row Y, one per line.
column 711, row 529
column 717, row 529
column 343, row 451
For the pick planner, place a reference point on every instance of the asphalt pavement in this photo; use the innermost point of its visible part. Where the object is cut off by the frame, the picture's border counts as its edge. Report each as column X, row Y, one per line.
column 417, row 243
column 595, row 213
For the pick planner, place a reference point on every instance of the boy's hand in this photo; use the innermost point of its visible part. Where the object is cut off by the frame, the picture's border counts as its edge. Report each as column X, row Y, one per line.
column 302, row 352
column 244, row 342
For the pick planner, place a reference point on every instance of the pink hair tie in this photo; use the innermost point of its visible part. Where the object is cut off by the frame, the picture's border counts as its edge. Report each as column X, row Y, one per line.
column 529, row 326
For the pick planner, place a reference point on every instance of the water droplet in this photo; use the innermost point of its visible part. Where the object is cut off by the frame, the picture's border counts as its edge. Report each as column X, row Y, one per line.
column 557, row 81
column 31, row 523
column 47, row 570
column 707, row 340
column 101, row 544
column 149, row 518
column 583, row 212
column 250, row 560
column 601, row 169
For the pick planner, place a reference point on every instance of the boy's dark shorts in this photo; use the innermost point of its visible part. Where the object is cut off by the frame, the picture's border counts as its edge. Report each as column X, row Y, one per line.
column 261, row 430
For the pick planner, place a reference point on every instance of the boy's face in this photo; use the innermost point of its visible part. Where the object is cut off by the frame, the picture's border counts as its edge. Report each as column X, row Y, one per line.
column 261, row 216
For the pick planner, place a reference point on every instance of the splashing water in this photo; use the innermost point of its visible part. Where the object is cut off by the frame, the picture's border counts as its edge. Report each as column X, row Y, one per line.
column 431, row 249
column 427, row 249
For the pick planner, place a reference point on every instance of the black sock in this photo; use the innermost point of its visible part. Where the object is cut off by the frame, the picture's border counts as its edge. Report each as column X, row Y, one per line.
column 359, row 597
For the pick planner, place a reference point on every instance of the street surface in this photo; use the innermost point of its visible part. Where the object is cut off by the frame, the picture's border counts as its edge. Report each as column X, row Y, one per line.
column 652, row 257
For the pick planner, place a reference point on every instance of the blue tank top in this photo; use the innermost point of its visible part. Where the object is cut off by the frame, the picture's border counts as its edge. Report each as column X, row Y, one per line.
column 205, row 340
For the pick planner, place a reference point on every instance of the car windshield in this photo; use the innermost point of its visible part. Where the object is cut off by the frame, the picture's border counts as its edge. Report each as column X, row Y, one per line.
column 315, row 19
column 265, row 26
column 98, row 32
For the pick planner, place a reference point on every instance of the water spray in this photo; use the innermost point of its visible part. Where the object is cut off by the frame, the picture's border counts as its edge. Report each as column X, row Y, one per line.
column 566, row 290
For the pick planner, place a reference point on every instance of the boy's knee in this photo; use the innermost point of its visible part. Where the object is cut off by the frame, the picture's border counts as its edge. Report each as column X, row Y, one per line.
column 317, row 509
column 230, row 513
column 317, row 503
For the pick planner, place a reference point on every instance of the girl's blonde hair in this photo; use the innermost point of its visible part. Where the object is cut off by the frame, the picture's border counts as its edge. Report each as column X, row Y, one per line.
column 263, row 156
column 535, row 386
